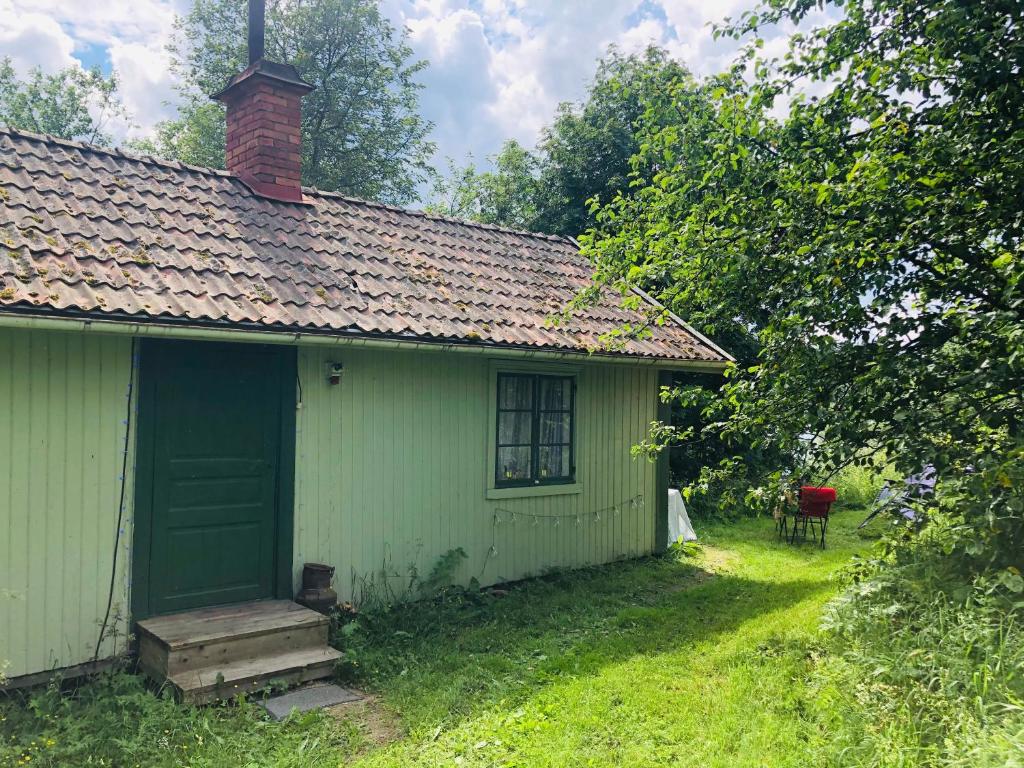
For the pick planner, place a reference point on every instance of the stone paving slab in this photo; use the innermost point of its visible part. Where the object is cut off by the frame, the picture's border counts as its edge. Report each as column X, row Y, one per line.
column 316, row 696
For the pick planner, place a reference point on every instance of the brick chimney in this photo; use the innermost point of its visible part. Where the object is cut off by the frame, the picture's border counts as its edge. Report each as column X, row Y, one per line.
column 264, row 120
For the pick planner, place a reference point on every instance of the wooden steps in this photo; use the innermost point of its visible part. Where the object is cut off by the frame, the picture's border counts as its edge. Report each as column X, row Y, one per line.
column 220, row 652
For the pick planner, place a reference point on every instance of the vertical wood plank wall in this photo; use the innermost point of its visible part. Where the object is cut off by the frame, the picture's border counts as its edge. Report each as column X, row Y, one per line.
column 391, row 471
column 62, row 413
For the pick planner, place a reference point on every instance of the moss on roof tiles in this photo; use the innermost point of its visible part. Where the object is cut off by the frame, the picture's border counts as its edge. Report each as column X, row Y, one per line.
column 190, row 242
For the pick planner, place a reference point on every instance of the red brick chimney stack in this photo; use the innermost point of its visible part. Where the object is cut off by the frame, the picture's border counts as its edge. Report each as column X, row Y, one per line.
column 264, row 120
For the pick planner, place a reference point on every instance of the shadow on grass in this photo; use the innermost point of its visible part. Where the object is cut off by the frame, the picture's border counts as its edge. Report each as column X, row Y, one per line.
column 453, row 657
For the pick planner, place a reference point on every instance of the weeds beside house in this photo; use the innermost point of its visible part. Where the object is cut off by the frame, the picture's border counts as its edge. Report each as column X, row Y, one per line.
column 699, row 657
column 869, row 239
column 708, row 656
column 917, row 678
column 4, row 663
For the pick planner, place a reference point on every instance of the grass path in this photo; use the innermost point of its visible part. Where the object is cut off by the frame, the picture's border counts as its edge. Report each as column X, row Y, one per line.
column 653, row 663
column 690, row 660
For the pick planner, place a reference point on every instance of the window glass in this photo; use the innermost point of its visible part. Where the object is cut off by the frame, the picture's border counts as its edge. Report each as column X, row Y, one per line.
column 554, row 428
column 555, row 394
column 554, row 461
column 535, row 430
column 515, row 427
column 515, row 392
column 514, row 463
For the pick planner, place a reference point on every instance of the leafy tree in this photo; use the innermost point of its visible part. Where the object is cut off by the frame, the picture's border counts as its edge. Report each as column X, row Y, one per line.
column 457, row 193
column 71, row 104
column 196, row 136
column 871, row 237
column 361, row 130
column 586, row 151
column 583, row 156
column 505, row 195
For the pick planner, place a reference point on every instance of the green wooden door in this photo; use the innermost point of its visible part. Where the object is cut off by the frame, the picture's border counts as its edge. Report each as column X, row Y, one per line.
column 213, row 432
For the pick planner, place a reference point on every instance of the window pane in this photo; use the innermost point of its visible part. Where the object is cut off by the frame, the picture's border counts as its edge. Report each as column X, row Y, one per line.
column 554, row 461
column 515, row 393
column 515, row 428
column 554, row 428
column 513, row 464
column 555, row 394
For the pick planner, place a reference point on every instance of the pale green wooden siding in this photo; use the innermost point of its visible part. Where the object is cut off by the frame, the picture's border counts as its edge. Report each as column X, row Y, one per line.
column 392, row 466
column 62, row 412
column 391, row 471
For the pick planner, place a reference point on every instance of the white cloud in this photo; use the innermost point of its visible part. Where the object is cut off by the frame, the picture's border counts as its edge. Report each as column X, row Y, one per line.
column 146, row 85
column 33, row 40
column 691, row 23
column 647, row 32
column 131, row 35
column 498, row 68
column 111, row 21
column 459, row 80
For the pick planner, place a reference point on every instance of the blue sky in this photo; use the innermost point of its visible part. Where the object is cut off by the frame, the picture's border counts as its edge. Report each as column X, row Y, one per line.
column 498, row 68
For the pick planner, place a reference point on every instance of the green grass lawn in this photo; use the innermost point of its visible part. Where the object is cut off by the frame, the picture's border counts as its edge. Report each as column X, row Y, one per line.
column 699, row 659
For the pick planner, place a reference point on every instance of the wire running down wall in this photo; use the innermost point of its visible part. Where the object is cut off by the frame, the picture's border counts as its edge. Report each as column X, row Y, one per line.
column 392, row 469
column 62, row 437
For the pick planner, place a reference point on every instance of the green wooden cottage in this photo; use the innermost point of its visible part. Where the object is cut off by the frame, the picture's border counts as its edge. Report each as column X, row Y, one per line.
column 209, row 378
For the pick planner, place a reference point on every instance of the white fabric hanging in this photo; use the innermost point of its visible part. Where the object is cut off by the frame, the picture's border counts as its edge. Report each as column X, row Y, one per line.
column 678, row 520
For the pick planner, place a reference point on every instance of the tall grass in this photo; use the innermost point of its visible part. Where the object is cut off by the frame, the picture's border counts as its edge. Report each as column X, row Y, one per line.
column 925, row 670
column 857, row 486
column 707, row 657
column 114, row 719
column 698, row 659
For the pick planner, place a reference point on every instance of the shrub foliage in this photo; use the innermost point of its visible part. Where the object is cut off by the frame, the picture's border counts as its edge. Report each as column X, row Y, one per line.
column 869, row 239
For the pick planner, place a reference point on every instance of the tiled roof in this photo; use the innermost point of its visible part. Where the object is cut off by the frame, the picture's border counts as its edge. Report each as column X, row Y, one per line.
column 92, row 232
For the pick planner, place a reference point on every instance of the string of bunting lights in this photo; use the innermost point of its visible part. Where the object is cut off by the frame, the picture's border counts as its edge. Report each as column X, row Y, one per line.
column 509, row 517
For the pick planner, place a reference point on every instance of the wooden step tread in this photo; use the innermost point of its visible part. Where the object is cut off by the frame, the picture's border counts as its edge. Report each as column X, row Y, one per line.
column 227, row 622
column 266, row 669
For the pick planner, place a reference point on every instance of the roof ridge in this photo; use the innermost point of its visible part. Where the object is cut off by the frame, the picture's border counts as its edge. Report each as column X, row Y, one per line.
column 146, row 158
column 440, row 216
column 46, row 138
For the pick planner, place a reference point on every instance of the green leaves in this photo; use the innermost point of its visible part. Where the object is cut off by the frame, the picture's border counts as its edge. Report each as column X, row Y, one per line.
column 587, row 156
column 1003, row 260
column 1011, row 579
column 863, row 250
column 506, row 196
column 71, row 104
column 362, row 131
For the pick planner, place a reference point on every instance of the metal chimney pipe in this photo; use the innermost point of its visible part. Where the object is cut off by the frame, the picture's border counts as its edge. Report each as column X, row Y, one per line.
column 257, row 30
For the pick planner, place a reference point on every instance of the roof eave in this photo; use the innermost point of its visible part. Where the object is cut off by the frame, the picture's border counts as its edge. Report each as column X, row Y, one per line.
column 30, row 318
column 727, row 358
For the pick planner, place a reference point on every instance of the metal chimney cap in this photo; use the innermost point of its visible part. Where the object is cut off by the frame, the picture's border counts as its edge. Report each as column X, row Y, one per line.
column 282, row 74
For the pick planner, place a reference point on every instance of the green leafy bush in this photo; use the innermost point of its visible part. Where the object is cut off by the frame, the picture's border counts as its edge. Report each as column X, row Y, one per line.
column 928, row 662
column 857, row 486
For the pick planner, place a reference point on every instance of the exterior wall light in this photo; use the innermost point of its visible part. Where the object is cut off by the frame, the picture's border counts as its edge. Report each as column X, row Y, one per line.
column 334, row 371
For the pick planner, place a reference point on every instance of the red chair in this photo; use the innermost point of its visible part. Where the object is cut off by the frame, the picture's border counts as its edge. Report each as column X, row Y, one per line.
column 812, row 511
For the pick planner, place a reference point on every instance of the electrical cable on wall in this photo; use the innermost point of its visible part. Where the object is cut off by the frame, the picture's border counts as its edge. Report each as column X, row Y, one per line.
column 120, row 504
